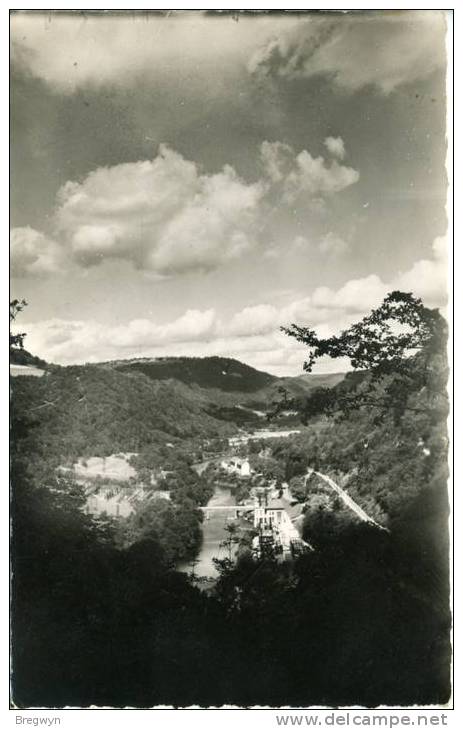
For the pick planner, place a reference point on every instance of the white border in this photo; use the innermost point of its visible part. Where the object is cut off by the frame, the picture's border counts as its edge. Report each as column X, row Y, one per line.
column 191, row 717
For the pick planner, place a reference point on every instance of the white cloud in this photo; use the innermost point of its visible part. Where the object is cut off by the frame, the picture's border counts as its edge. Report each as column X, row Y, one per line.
column 67, row 341
column 193, row 325
column 162, row 215
column 33, row 253
column 168, row 217
column 254, row 320
column 330, row 310
column 357, row 295
column 357, row 50
column 428, row 278
column 335, row 146
column 302, row 175
column 313, row 177
column 251, row 334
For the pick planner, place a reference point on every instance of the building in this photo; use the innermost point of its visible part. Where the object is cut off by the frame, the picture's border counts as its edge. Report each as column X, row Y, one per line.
column 240, row 466
column 276, row 530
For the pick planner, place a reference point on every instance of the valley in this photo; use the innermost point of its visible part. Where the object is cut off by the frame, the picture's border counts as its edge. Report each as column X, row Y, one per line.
column 193, row 511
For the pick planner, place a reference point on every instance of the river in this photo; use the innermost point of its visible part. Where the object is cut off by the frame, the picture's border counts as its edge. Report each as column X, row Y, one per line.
column 214, row 524
column 213, row 534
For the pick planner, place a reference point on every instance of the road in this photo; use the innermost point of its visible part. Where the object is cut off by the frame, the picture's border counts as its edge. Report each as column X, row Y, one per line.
column 237, row 507
column 362, row 515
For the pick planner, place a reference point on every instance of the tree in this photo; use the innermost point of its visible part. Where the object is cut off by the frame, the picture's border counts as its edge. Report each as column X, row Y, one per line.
column 298, row 487
column 397, row 350
column 16, row 340
column 232, row 538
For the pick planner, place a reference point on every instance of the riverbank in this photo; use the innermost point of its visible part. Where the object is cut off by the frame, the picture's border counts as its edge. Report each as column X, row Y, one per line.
column 214, row 534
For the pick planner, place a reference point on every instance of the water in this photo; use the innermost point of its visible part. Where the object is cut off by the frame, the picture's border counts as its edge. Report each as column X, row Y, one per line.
column 213, row 534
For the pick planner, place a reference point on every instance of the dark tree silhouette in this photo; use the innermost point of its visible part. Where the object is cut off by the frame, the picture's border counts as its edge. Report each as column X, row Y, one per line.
column 397, row 351
column 17, row 339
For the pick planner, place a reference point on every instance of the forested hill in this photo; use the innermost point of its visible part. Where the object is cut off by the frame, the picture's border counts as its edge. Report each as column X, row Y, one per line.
column 227, row 381
column 222, row 373
column 96, row 410
column 99, row 409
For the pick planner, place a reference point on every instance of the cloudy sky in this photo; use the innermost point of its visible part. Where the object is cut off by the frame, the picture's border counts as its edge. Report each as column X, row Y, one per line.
column 186, row 183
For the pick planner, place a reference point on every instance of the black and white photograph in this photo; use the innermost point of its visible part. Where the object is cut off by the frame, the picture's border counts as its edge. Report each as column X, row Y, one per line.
column 230, row 315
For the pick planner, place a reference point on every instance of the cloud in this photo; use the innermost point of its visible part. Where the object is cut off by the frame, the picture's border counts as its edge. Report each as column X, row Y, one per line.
column 34, row 254
column 428, row 278
column 254, row 320
column 77, row 50
column 301, row 243
column 357, row 295
column 278, row 159
column 335, row 146
column 332, row 309
column 67, row 341
column 357, row 50
column 301, row 175
column 162, row 215
column 298, row 245
column 440, row 248
column 313, row 177
column 193, row 325
column 195, row 333
column 167, row 217
column 333, row 245
column 251, row 334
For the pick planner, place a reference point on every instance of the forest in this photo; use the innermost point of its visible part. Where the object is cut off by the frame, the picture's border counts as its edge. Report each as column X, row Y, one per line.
column 101, row 617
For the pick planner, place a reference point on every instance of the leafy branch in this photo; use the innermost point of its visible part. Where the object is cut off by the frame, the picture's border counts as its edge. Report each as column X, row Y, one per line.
column 400, row 349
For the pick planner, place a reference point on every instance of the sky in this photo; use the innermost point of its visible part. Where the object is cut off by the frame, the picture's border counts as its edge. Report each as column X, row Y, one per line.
column 186, row 183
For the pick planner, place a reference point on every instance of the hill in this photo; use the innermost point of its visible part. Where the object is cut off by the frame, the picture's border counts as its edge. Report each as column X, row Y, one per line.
column 222, row 373
column 330, row 379
column 99, row 409
column 23, row 357
column 96, row 410
column 228, row 389
column 226, row 382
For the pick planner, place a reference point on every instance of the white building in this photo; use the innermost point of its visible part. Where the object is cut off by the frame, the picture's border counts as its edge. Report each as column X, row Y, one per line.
column 240, row 466
column 273, row 521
